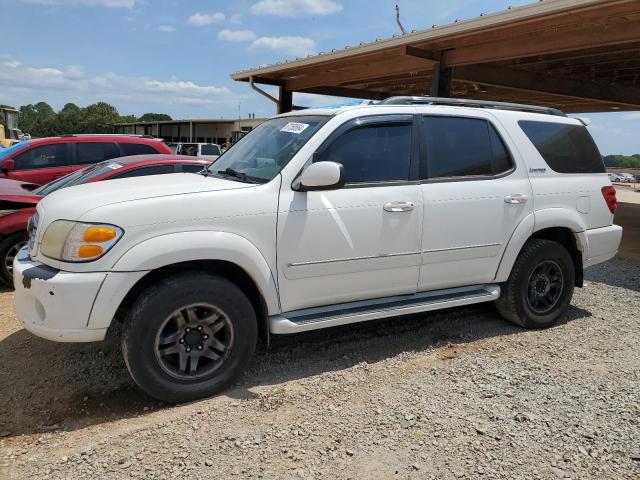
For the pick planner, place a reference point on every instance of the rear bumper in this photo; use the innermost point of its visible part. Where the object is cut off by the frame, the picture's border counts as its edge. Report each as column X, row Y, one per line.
column 603, row 244
column 53, row 304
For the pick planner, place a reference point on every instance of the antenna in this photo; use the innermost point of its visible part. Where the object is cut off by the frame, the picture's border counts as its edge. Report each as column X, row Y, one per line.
column 404, row 32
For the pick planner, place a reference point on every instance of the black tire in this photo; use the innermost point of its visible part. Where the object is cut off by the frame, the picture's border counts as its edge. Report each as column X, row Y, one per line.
column 532, row 297
column 153, row 314
column 8, row 249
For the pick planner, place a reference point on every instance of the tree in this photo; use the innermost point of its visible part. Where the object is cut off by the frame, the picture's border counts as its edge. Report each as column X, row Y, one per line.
column 154, row 117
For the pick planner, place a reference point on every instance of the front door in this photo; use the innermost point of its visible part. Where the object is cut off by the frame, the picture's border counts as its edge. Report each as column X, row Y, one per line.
column 474, row 198
column 41, row 164
column 363, row 240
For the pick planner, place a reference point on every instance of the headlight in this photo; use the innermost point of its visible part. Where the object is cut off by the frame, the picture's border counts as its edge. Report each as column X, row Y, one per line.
column 4, row 213
column 78, row 242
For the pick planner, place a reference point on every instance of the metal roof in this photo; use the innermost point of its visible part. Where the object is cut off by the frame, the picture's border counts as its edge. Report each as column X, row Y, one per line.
column 575, row 49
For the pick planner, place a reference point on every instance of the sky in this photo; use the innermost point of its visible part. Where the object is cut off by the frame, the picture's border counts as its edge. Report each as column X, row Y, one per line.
column 175, row 56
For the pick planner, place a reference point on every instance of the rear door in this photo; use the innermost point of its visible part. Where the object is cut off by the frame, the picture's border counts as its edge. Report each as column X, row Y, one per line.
column 41, row 164
column 474, row 198
column 88, row 153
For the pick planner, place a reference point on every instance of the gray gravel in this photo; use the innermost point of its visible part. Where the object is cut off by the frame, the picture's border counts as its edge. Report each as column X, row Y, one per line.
column 457, row 394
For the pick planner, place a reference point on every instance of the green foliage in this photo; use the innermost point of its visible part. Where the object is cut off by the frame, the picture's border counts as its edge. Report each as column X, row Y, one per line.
column 622, row 161
column 40, row 120
column 154, row 117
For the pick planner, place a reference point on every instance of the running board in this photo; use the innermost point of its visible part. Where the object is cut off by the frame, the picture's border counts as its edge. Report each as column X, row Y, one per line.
column 353, row 312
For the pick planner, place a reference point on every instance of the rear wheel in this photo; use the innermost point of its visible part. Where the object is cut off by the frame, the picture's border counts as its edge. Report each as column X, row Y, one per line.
column 540, row 286
column 189, row 336
column 9, row 248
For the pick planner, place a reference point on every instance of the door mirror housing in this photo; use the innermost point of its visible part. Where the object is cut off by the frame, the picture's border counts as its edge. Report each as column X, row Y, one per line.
column 8, row 165
column 320, row 176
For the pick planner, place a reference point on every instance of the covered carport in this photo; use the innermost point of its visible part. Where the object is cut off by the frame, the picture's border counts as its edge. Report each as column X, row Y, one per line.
column 575, row 55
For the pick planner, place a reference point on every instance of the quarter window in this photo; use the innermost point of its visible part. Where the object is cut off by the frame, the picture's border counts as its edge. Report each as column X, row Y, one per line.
column 372, row 153
column 137, row 149
column 95, row 152
column 463, row 147
column 46, row 156
column 565, row 148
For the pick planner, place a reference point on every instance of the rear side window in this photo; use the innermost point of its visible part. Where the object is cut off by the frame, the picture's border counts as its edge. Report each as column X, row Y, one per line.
column 463, row 147
column 210, row 150
column 565, row 148
column 95, row 152
column 375, row 153
column 144, row 171
column 46, row 156
column 137, row 149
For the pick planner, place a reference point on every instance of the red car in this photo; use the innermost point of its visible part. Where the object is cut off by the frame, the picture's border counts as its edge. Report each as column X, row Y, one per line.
column 18, row 199
column 42, row 160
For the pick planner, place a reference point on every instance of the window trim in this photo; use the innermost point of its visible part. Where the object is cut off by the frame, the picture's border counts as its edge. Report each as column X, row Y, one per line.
column 372, row 120
column 424, row 160
column 26, row 150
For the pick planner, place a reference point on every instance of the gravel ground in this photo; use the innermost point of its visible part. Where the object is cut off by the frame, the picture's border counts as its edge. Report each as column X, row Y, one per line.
column 457, row 394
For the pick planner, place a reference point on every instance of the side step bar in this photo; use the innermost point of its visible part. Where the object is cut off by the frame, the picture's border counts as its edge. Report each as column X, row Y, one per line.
column 353, row 312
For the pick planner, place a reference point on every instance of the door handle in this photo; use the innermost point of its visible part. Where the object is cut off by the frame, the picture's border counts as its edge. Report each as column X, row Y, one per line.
column 517, row 198
column 398, row 207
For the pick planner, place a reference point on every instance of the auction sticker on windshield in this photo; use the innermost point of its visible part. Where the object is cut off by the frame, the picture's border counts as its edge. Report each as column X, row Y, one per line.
column 114, row 166
column 293, row 127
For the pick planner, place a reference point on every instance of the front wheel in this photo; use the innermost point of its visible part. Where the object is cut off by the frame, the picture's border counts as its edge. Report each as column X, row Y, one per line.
column 9, row 248
column 189, row 336
column 540, row 286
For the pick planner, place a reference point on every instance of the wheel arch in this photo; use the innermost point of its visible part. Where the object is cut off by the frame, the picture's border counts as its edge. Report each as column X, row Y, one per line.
column 556, row 224
column 229, row 255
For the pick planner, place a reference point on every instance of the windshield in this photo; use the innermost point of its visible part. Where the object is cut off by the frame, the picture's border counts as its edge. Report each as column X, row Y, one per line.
column 5, row 152
column 210, row 150
column 78, row 177
column 260, row 155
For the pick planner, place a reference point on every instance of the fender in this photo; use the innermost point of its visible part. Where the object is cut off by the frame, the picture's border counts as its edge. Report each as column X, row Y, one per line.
column 534, row 222
column 180, row 247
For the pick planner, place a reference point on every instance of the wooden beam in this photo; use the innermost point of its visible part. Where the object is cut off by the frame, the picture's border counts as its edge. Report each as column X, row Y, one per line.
column 537, row 82
column 420, row 53
column 347, row 92
column 362, row 73
column 544, row 43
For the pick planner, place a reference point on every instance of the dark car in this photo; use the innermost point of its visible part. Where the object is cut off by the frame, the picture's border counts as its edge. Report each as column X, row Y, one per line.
column 43, row 160
column 18, row 199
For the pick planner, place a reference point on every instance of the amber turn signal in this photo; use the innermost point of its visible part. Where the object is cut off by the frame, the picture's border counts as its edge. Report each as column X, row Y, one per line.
column 89, row 251
column 99, row 234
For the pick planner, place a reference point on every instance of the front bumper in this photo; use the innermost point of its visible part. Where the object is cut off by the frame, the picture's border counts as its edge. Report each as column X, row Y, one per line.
column 53, row 304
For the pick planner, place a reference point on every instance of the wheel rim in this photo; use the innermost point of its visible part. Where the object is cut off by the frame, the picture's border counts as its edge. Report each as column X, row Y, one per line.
column 194, row 341
column 544, row 288
column 11, row 255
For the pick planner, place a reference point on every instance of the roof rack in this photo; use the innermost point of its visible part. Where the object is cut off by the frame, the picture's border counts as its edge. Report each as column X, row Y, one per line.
column 107, row 135
column 463, row 102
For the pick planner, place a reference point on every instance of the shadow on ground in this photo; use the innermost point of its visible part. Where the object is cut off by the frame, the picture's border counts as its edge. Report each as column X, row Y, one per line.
column 50, row 386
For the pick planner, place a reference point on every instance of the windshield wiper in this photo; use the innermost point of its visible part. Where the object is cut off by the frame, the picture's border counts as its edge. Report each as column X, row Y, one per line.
column 243, row 177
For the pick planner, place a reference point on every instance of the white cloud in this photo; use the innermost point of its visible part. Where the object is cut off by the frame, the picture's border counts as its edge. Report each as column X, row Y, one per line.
column 236, row 35
column 21, row 83
column 103, row 3
column 167, row 28
column 203, row 19
column 295, row 8
column 295, row 46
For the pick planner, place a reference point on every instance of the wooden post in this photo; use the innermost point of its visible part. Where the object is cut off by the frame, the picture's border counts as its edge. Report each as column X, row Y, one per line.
column 285, row 101
column 441, row 81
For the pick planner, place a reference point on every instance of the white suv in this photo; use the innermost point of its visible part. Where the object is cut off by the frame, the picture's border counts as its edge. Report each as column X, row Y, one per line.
column 316, row 219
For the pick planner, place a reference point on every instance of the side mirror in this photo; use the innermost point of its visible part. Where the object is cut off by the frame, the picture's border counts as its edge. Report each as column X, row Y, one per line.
column 320, row 176
column 8, row 165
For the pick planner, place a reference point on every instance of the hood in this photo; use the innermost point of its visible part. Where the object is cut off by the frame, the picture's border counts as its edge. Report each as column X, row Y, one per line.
column 72, row 202
column 18, row 192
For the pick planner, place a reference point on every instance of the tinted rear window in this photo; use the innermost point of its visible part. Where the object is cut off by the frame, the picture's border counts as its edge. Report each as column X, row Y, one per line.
column 137, row 149
column 565, row 148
